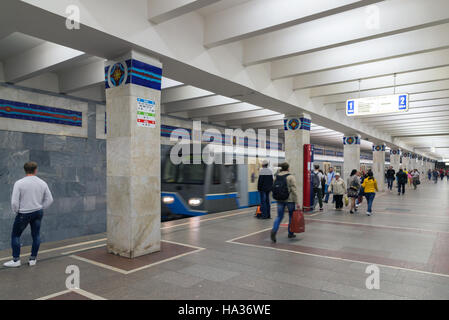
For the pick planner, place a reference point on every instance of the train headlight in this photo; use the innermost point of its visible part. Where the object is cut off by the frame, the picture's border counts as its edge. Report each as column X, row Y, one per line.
column 168, row 199
column 195, row 202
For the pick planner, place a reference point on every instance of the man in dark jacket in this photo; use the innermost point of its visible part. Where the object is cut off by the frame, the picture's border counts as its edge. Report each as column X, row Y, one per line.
column 390, row 177
column 264, row 186
column 402, row 181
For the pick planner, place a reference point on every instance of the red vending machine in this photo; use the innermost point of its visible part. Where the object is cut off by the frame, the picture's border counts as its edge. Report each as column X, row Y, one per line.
column 307, row 182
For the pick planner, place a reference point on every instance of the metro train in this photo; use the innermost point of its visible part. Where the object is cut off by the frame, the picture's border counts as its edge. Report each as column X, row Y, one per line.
column 199, row 189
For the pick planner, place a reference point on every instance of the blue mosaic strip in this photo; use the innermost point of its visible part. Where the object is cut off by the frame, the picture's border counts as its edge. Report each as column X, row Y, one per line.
column 135, row 72
column 33, row 112
column 305, row 124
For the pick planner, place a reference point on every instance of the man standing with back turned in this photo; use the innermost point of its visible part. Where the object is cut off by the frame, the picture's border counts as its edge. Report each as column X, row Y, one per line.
column 30, row 197
column 390, row 177
column 264, row 185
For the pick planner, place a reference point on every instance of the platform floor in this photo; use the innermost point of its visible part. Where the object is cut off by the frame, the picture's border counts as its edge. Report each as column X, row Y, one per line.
column 230, row 256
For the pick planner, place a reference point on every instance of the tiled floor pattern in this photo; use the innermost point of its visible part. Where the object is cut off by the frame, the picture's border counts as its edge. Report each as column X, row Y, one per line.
column 407, row 237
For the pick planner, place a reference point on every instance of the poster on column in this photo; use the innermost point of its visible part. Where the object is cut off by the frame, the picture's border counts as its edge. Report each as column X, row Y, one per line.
column 146, row 113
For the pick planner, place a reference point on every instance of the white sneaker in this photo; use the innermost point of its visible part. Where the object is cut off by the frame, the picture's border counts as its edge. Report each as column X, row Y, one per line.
column 32, row 262
column 12, row 264
column 369, row 213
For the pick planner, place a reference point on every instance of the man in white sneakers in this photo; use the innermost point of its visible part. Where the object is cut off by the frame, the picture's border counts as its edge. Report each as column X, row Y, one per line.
column 30, row 197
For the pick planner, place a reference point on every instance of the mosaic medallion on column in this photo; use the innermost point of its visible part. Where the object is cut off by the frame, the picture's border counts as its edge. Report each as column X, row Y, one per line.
column 395, row 152
column 351, row 140
column 379, row 148
column 291, row 124
column 117, row 74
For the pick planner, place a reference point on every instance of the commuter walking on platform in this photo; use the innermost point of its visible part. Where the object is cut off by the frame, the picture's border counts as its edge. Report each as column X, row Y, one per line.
column 264, row 185
column 402, row 180
column 353, row 189
column 317, row 178
column 330, row 177
column 441, row 174
column 435, row 175
column 370, row 187
column 390, row 177
column 285, row 192
column 338, row 188
column 30, row 197
column 415, row 178
column 429, row 174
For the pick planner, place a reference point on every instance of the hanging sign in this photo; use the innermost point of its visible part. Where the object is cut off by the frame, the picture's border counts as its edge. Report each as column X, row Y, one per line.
column 146, row 113
column 377, row 105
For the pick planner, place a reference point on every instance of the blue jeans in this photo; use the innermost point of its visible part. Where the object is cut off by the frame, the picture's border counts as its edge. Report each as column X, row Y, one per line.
column 265, row 204
column 390, row 183
column 281, row 208
column 326, row 199
column 370, row 198
column 401, row 186
column 20, row 223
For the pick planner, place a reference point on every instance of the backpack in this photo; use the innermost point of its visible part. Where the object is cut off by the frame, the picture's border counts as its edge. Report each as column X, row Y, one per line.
column 315, row 180
column 280, row 188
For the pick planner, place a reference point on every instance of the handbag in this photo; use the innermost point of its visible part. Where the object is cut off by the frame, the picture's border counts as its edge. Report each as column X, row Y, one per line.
column 353, row 193
column 346, row 201
column 298, row 224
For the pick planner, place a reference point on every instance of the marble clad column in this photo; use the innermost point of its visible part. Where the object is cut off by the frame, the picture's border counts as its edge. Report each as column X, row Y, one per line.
column 420, row 165
column 412, row 162
column 133, row 91
column 395, row 159
column 405, row 160
column 379, row 165
column 297, row 134
column 351, row 155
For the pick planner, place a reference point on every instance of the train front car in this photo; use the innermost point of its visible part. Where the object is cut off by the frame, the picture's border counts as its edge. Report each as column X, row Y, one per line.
column 196, row 189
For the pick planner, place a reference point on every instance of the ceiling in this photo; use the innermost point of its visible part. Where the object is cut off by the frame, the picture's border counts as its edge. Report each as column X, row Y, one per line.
column 312, row 54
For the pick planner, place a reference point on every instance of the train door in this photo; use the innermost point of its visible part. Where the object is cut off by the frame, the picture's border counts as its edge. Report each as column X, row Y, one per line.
column 242, row 185
column 253, row 175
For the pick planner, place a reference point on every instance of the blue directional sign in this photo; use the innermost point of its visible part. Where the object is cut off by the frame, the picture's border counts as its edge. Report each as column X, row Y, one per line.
column 402, row 102
column 350, row 107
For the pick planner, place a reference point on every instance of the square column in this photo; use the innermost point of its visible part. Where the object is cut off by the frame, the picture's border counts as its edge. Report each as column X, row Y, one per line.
column 351, row 155
column 379, row 166
column 297, row 134
column 395, row 159
column 133, row 92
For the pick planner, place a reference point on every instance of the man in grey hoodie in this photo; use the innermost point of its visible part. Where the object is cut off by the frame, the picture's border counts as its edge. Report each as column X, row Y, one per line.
column 30, row 197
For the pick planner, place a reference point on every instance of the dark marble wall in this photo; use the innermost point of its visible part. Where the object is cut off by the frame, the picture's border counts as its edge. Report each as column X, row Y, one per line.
column 75, row 170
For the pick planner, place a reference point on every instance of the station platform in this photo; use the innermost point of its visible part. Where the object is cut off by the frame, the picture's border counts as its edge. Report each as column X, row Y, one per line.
column 229, row 255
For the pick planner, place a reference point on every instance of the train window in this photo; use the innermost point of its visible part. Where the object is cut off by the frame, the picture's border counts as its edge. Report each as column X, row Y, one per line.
column 169, row 174
column 183, row 173
column 216, row 174
column 191, row 173
column 230, row 173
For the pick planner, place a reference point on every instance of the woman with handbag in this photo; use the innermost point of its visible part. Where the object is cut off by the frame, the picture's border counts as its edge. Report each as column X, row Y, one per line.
column 353, row 189
column 338, row 188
